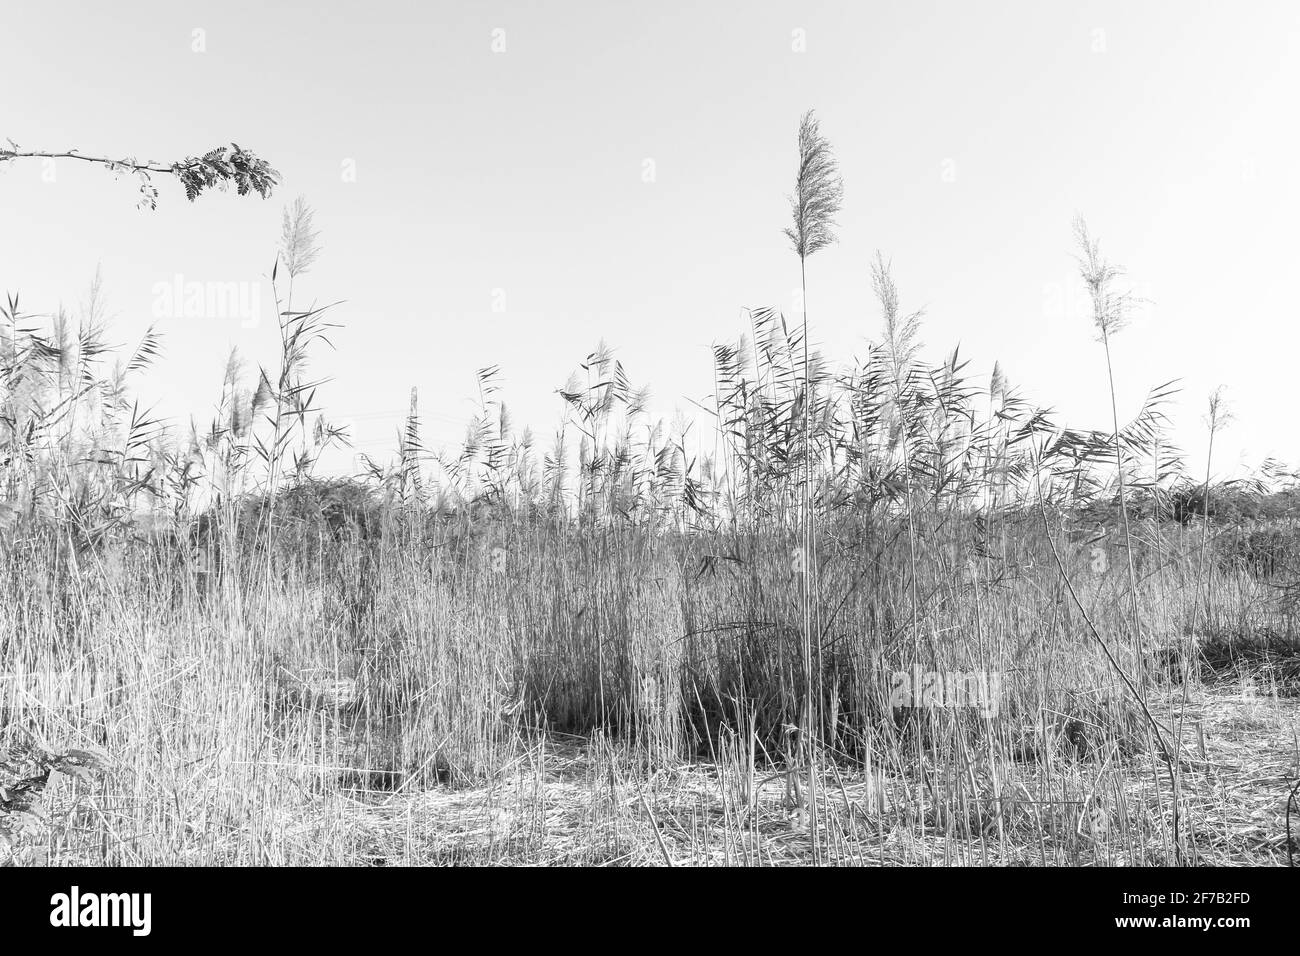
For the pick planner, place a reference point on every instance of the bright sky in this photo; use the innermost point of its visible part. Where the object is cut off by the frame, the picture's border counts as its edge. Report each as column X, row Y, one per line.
column 500, row 155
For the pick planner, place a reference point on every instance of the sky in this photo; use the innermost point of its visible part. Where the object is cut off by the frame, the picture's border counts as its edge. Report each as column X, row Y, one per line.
column 512, row 183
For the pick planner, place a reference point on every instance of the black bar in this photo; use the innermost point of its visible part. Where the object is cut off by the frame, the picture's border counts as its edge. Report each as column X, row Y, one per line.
column 337, row 906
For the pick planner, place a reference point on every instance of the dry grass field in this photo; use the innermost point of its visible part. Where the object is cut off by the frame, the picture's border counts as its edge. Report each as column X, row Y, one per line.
column 574, row 710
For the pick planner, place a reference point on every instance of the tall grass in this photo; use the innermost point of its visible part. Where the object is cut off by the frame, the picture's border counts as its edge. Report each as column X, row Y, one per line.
column 276, row 667
column 813, row 206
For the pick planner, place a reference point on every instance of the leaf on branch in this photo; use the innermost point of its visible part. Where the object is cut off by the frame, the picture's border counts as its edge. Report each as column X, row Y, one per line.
column 224, row 166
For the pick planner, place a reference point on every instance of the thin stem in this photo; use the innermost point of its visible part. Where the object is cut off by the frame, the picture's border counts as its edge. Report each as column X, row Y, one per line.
column 810, row 568
column 1123, row 510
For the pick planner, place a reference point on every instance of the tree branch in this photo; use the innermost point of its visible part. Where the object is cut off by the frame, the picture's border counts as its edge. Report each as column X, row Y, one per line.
column 221, row 167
